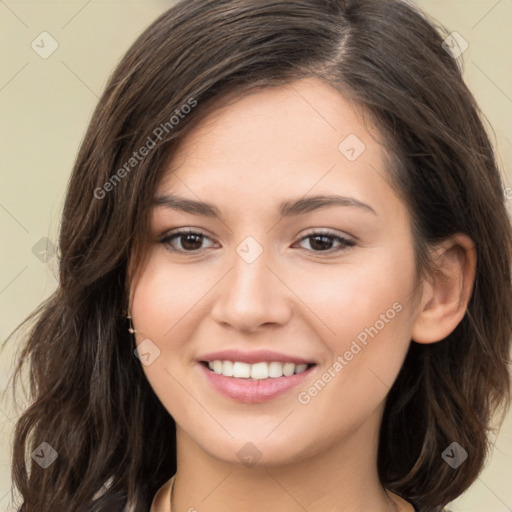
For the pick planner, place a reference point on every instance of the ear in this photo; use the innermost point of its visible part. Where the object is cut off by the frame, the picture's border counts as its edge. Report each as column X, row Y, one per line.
column 445, row 295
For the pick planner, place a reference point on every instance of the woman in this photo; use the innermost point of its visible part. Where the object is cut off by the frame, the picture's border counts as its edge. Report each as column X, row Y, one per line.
column 284, row 273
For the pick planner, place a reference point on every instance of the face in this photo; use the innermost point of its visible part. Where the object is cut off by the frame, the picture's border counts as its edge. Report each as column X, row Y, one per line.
column 327, row 282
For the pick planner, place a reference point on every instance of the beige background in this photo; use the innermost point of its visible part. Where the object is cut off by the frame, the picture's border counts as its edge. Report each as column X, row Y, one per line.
column 45, row 105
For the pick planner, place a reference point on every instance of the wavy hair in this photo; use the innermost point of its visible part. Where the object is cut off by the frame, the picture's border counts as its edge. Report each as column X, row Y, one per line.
column 89, row 397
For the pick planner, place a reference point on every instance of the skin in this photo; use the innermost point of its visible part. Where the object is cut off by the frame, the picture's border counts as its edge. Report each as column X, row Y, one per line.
column 274, row 145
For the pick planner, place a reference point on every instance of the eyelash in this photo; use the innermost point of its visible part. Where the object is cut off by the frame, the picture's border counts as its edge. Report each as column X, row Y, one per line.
column 346, row 244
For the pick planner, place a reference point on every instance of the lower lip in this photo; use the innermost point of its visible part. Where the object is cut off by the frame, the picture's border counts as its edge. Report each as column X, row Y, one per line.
column 254, row 391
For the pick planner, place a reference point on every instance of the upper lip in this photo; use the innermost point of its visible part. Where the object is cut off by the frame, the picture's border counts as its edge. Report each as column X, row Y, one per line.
column 255, row 356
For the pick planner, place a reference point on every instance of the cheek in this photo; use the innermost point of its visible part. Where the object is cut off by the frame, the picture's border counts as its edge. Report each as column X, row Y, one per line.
column 366, row 355
column 364, row 313
column 162, row 311
column 167, row 298
column 343, row 300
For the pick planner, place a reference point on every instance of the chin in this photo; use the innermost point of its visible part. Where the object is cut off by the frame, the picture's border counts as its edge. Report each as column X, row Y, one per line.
column 254, row 449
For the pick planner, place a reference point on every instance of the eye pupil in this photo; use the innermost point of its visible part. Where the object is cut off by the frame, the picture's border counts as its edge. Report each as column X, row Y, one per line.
column 326, row 242
column 185, row 239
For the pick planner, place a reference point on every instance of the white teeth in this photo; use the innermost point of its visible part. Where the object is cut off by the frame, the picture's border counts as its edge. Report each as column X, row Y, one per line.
column 241, row 370
column 288, row 369
column 301, row 368
column 259, row 371
column 227, row 368
column 275, row 370
column 256, row 371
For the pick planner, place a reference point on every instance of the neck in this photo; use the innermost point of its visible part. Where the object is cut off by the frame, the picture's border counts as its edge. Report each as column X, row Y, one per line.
column 331, row 479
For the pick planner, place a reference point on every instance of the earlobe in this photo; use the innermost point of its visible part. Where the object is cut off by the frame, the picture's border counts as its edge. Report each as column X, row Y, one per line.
column 447, row 293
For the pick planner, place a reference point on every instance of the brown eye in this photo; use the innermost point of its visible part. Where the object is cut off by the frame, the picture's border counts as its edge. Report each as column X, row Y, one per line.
column 323, row 241
column 184, row 241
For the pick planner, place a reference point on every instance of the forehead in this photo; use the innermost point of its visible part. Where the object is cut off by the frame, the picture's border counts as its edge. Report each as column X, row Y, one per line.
column 280, row 141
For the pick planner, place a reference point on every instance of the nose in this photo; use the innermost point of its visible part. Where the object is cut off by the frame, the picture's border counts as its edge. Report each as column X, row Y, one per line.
column 252, row 295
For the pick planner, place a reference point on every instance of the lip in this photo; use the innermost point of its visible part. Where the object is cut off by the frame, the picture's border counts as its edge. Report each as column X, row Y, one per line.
column 254, row 391
column 255, row 356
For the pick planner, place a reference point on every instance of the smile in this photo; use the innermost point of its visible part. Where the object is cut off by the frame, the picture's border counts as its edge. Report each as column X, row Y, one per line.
column 255, row 371
column 254, row 383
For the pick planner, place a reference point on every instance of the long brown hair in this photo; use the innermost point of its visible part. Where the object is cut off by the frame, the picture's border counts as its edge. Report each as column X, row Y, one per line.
column 91, row 400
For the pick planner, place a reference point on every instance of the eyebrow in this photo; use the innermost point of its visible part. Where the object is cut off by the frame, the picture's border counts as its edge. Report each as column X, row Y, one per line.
column 286, row 208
